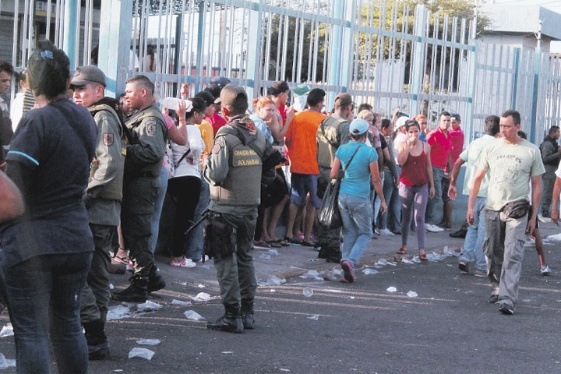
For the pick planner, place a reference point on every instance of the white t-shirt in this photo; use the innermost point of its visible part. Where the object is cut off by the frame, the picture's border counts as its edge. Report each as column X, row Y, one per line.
column 190, row 165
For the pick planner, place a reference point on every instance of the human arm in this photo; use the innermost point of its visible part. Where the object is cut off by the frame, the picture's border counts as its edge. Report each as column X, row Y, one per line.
column 453, row 190
column 550, row 154
column 555, row 200
column 403, row 152
column 284, row 128
column 429, row 171
column 178, row 134
column 377, row 183
column 335, row 168
column 217, row 166
column 536, row 182
column 150, row 144
column 11, row 200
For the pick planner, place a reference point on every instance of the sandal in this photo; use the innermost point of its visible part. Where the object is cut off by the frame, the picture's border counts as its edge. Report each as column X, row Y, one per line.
column 402, row 251
column 423, row 257
column 121, row 260
column 284, row 242
column 261, row 243
column 274, row 243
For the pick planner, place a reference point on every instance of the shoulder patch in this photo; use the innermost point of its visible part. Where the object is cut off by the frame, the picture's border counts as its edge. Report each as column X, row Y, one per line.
column 108, row 139
column 151, row 129
column 218, row 145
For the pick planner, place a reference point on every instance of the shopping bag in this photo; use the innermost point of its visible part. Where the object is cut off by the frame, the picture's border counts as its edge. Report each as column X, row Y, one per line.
column 329, row 217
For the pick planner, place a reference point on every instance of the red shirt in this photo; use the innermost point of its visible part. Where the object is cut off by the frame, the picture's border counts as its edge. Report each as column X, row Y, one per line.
column 414, row 171
column 457, row 140
column 217, row 121
column 440, row 147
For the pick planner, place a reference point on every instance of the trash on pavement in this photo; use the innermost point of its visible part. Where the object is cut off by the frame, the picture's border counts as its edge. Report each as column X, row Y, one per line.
column 7, row 330
column 148, row 306
column 180, row 302
column 272, row 281
column 201, row 296
column 118, row 312
column 391, row 289
column 141, row 353
column 192, row 315
column 412, row 294
column 307, row 291
column 311, row 274
column 369, row 271
column 265, row 256
column 148, row 342
column 5, row 363
column 315, row 317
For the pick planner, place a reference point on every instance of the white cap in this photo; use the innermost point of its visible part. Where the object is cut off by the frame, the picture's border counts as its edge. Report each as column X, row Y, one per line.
column 401, row 122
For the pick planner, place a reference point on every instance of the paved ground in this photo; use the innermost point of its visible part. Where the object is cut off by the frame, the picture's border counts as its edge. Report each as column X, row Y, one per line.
column 437, row 321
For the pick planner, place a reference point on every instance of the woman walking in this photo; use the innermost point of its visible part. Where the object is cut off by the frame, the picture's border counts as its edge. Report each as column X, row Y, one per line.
column 360, row 166
column 416, row 175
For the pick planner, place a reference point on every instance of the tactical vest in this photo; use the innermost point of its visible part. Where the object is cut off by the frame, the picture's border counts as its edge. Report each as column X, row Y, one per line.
column 242, row 187
column 327, row 140
column 113, row 190
column 153, row 169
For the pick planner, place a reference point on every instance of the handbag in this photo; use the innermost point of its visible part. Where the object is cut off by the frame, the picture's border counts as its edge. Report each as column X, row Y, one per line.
column 516, row 209
column 329, row 216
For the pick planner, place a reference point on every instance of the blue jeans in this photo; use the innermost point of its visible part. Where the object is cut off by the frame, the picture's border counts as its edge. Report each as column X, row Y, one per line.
column 194, row 244
column 356, row 214
column 433, row 214
column 44, row 295
column 473, row 244
column 158, row 208
column 392, row 218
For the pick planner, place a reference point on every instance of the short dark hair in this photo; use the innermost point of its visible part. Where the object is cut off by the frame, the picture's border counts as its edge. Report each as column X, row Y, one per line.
column 492, row 126
column 386, row 123
column 522, row 134
column 444, row 113
column 199, row 106
column 412, row 123
column 49, row 70
column 512, row 113
column 315, row 96
column 364, row 106
column 6, row 67
column 553, row 129
column 142, row 81
column 277, row 88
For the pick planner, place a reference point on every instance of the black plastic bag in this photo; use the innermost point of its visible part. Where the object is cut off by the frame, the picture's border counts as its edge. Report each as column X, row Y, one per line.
column 328, row 216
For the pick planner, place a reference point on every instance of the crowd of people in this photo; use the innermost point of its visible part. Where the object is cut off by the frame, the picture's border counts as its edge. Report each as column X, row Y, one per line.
column 116, row 181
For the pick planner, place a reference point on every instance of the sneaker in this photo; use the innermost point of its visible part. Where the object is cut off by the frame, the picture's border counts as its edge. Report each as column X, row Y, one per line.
column 184, row 263
column 543, row 218
column 480, row 273
column 205, row 258
column 132, row 293
column 460, row 234
column 463, row 266
column 506, row 309
column 386, row 232
column 545, row 270
column 348, row 272
column 493, row 299
column 433, row 228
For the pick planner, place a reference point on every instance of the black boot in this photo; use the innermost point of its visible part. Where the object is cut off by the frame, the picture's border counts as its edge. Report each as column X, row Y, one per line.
column 98, row 348
column 231, row 321
column 247, row 315
column 136, row 292
column 155, row 280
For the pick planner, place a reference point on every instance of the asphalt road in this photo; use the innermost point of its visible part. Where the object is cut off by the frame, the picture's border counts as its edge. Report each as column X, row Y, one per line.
column 348, row 328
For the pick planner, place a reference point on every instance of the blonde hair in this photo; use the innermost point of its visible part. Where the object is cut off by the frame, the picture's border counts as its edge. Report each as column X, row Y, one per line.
column 365, row 113
column 261, row 102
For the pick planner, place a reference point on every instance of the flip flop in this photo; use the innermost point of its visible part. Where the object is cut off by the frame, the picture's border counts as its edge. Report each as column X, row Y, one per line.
column 121, row 260
column 274, row 243
column 402, row 251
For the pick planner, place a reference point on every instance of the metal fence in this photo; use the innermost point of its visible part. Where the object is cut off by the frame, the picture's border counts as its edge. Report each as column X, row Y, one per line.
column 382, row 53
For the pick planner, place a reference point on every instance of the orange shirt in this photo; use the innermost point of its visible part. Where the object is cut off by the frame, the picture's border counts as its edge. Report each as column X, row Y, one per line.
column 301, row 143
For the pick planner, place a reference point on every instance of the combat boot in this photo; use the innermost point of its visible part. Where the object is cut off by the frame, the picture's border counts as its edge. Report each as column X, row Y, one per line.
column 136, row 292
column 231, row 321
column 155, row 280
column 98, row 348
column 247, row 315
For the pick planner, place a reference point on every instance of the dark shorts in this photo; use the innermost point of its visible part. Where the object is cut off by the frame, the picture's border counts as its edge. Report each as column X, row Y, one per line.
column 445, row 186
column 302, row 185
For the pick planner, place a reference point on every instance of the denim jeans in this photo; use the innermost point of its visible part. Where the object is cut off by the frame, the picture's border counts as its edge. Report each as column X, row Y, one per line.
column 158, row 208
column 434, row 204
column 392, row 218
column 356, row 214
column 44, row 295
column 473, row 244
column 194, row 245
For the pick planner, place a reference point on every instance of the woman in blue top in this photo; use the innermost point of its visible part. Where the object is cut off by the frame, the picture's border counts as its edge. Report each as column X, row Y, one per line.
column 359, row 163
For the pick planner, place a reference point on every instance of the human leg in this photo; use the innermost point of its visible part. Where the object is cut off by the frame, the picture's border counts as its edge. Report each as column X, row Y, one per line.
column 432, row 204
column 361, row 215
column 158, row 204
column 512, row 262
column 406, row 196
column 548, row 180
column 388, row 187
column 350, row 231
column 494, row 250
column 194, row 240
column 421, row 196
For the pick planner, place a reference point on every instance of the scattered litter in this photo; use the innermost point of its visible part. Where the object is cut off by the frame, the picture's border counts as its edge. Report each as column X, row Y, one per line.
column 7, row 330
column 118, row 312
column 412, row 294
column 118, row 370
column 142, row 353
column 333, row 274
column 352, row 297
column 315, row 317
column 553, row 238
column 434, row 257
column 201, row 296
column 272, row 281
column 201, row 285
column 369, row 271
column 192, row 315
column 228, row 352
column 391, row 289
column 148, row 342
column 148, row 306
column 449, row 252
column 180, row 302
column 311, row 274
column 111, row 287
column 307, row 291
column 382, row 262
column 5, row 363
column 265, row 256
column 273, row 252
column 406, row 261
column 283, row 369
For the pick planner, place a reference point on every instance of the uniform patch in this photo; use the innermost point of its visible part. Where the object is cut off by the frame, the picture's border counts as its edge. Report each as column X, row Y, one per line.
column 108, row 139
column 218, row 144
column 151, row 129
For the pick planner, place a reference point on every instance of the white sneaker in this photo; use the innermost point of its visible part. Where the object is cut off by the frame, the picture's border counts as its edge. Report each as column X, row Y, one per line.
column 206, row 259
column 544, row 219
column 433, row 228
column 185, row 263
column 386, row 232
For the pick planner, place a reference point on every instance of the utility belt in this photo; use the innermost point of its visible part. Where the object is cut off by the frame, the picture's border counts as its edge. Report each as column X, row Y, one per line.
column 220, row 237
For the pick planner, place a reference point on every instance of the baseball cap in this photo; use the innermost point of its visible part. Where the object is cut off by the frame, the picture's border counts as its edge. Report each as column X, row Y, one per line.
column 87, row 74
column 344, row 99
column 358, row 126
column 207, row 97
column 401, row 122
column 233, row 95
column 301, row 89
column 219, row 82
